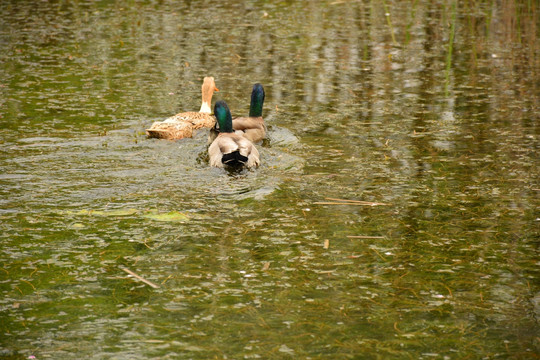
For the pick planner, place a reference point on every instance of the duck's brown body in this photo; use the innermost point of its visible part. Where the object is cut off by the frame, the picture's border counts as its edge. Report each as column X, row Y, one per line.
column 182, row 125
column 197, row 119
column 252, row 128
column 170, row 131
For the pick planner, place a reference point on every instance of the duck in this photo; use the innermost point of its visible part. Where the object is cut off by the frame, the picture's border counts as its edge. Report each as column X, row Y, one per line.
column 230, row 149
column 252, row 127
column 182, row 124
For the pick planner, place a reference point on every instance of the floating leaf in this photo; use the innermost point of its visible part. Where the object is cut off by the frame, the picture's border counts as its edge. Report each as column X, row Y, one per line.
column 117, row 212
column 113, row 212
column 170, row 216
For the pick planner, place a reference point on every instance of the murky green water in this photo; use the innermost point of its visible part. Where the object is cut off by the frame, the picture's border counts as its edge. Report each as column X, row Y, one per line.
column 362, row 103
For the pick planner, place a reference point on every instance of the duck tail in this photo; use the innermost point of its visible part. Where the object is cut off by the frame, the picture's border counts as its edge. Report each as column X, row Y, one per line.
column 234, row 159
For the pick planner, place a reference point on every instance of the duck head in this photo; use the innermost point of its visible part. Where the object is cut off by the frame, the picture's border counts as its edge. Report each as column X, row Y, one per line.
column 208, row 88
column 223, row 116
column 257, row 101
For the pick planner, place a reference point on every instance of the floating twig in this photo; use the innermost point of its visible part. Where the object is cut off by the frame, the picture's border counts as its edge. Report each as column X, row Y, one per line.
column 347, row 203
column 356, row 201
column 365, row 237
column 147, row 282
column 326, row 271
column 339, row 2
column 334, row 201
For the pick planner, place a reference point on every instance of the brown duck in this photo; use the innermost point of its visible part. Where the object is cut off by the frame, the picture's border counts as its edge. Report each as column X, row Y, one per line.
column 182, row 125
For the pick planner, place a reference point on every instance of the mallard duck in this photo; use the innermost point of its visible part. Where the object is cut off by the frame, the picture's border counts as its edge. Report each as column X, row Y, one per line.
column 182, row 125
column 252, row 127
column 229, row 148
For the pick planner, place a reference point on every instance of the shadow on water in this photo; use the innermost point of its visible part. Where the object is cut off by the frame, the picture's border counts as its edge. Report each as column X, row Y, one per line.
column 394, row 214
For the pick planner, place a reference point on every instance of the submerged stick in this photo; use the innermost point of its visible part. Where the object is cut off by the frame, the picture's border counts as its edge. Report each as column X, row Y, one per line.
column 378, row 253
column 147, row 282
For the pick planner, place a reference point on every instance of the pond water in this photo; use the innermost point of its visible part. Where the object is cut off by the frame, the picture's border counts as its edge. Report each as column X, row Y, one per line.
column 422, row 114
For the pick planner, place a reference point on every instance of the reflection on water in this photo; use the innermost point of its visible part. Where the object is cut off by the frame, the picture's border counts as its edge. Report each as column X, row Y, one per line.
column 362, row 104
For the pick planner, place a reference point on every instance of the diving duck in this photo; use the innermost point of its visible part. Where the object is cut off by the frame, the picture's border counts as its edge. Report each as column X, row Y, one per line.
column 252, row 127
column 229, row 148
column 182, row 125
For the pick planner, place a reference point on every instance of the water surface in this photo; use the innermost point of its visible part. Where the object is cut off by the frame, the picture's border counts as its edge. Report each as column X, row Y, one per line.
column 364, row 101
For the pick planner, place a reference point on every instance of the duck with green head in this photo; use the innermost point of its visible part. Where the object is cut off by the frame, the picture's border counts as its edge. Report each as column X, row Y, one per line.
column 229, row 148
column 251, row 127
